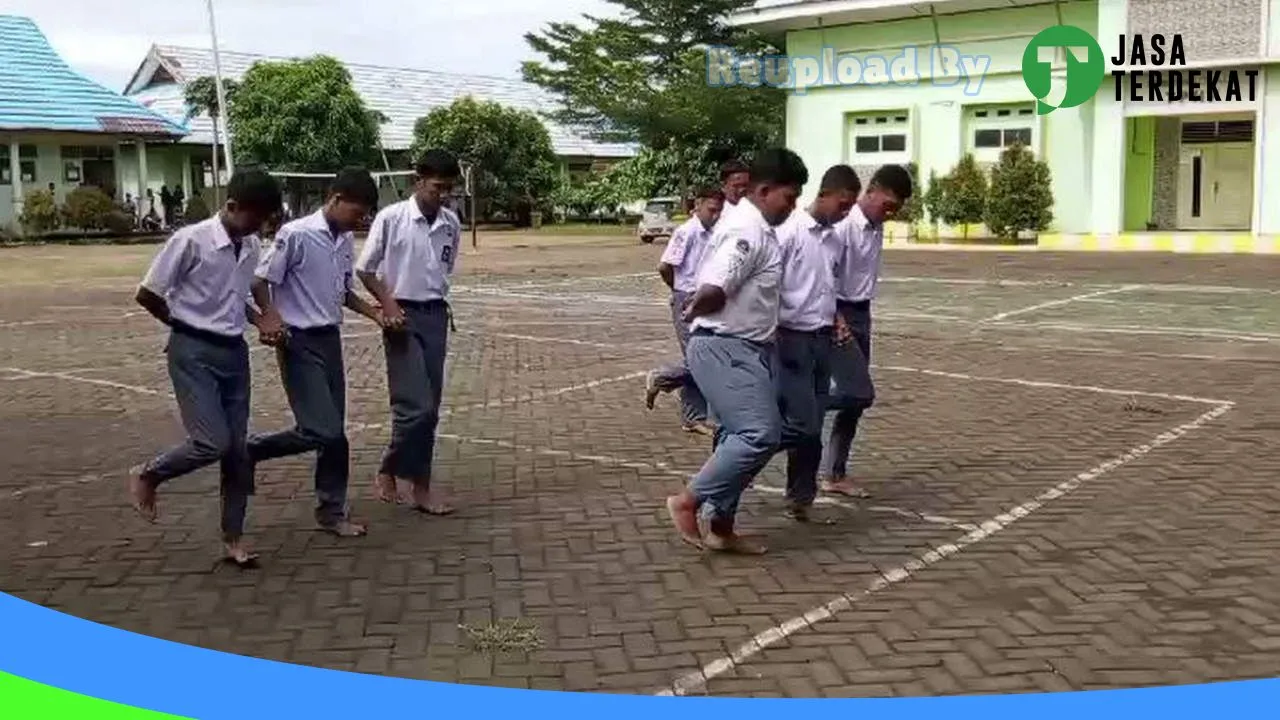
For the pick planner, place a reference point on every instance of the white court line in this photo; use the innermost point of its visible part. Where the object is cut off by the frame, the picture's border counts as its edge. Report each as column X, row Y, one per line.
column 1057, row 303
column 696, row 681
column 1158, row 287
column 1143, row 330
column 1053, row 385
column 567, row 341
column 26, row 323
column 89, row 381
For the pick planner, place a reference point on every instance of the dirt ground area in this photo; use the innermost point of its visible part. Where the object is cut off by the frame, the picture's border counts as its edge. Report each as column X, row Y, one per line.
column 1073, row 463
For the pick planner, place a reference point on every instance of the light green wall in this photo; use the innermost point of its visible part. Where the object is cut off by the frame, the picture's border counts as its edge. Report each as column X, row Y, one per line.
column 816, row 118
column 1140, row 169
column 1267, row 182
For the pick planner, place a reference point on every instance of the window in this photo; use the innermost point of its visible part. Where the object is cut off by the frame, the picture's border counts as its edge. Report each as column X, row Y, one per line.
column 27, row 155
column 991, row 129
column 879, row 138
column 1202, row 132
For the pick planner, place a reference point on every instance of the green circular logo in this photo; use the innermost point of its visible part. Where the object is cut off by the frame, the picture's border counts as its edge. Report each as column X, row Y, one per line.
column 1085, row 63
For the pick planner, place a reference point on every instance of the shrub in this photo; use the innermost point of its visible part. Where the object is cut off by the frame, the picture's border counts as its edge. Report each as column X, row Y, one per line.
column 912, row 211
column 965, row 195
column 119, row 222
column 934, row 198
column 1021, row 194
column 88, row 208
column 196, row 211
column 39, row 213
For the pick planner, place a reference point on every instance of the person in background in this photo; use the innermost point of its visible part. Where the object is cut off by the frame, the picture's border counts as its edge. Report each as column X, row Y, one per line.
column 735, row 181
column 852, row 390
column 198, row 285
column 406, row 263
column 679, row 270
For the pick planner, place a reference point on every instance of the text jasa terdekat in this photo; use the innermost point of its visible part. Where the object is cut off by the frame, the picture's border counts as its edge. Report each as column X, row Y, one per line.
column 1153, row 69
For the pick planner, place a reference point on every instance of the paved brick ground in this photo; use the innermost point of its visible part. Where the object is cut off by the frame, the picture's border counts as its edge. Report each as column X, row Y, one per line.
column 1002, row 376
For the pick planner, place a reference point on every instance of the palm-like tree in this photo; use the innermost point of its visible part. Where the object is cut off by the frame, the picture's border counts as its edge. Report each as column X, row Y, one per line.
column 201, row 96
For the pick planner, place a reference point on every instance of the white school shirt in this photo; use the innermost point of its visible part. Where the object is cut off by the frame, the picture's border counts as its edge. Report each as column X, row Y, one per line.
column 859, row 277
column 685, row 253
column 413, row 258
column 744, row 262
column 811, row 252
column 198, row 274
column 730, row 209
column 310, row 270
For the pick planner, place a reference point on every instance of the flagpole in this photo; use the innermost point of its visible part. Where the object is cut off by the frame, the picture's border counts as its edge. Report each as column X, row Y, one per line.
column 222, row 94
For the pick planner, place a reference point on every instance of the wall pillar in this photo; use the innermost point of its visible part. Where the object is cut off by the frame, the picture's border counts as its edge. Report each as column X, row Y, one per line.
column 15, row 171
column 144, row 207
column 1109, row 135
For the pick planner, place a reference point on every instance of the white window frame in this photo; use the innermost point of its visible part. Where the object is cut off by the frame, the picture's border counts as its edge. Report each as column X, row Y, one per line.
column 1003, row 119
column 878, row 125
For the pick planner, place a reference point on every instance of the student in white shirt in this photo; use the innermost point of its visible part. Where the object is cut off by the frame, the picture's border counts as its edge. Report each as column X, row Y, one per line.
column 734, row 315
column 852, row 389
column 735, row 182
column 679, row 270
column 811, row 251
column 406, row 264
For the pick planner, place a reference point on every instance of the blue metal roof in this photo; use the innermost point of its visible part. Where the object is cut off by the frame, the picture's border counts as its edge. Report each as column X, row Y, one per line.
column 39, row 91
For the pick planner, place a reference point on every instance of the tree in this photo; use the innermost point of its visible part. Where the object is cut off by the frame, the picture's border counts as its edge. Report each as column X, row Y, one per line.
column 302, row 116
column 1021, row 194
column 934, row 199
column 513, row 162
column 39, row 212
column 201, row 96
column 912, row 211
column 965, row 201
column 643, row 77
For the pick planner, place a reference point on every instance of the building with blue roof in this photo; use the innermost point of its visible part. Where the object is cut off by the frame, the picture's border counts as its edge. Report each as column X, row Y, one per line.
column 61, row 130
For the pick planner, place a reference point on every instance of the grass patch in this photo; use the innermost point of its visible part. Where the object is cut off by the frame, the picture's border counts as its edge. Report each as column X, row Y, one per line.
column 504, row 636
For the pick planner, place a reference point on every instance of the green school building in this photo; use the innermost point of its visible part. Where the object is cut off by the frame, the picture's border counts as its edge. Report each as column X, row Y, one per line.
column 1147, row 170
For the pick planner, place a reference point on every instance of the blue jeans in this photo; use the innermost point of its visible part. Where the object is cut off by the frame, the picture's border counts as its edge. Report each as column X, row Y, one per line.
column 737, row 378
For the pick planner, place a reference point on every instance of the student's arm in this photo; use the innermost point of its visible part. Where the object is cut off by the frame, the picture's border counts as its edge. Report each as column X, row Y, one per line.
column 730, row 264
column 275, row 264
column 371, row 256
column 673, row 257
column 167, row 270
column 361, row 306
column 841, row 332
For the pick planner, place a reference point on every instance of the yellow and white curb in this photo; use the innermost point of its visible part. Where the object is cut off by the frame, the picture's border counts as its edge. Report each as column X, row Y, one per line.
column 1197, row 243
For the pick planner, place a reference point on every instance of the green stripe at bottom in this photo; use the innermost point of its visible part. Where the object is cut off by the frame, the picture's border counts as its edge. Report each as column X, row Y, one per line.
column 26, row 700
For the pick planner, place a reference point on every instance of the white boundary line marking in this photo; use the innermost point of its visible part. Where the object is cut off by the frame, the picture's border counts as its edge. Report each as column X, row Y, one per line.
column 89, row 381
column 1058, row 303
column 1052, row 385
column 695, row 681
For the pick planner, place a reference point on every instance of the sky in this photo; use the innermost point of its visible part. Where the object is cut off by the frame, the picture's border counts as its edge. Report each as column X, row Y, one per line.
column 107, row 41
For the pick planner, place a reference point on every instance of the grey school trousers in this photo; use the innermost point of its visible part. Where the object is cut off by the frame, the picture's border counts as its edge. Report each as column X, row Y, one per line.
column 803, row 381
column 311, row 368
column 737, row 378
column 693, row 406
column 415, row 377
column 852, row 391
column 210, row 375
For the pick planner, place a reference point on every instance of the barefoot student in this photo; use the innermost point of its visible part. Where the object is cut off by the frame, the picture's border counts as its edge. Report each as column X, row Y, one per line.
column 852, row 391
column 406, row 264
column 304, row 281
column 679, row 270
column 734, row 315
column 811, row 250
column 198, row 285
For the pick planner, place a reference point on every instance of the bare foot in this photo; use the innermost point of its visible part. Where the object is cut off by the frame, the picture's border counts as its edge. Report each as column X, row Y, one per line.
column 684, row 515
column 425, row 501
column 143, row 494
column 651, row 389
column 384, row 488
column 844, row 486
column 345, row 529
column 237, row 553
column 734, row 544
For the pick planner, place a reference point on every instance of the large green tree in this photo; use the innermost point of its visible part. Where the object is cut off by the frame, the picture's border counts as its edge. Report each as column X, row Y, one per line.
column 302, row 116
column 643, row 77
column 514, row 167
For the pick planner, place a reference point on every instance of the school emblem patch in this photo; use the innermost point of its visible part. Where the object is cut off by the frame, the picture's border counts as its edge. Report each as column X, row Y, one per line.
column 744, row 246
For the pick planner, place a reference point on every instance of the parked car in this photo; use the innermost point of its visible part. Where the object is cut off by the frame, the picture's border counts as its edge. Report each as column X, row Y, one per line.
column 659, row 219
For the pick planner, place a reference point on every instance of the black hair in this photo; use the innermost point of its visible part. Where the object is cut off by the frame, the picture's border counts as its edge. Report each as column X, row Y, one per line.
column 356, row 185
column 255, row 190
column 779, row 166
column 731, row 168
column 707, row 192
column 840, row 178
column 895, row 179
column 438, row 164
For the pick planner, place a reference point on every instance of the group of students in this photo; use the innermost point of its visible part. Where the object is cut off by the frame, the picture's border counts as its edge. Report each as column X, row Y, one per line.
column 200, row 285
column 772, row 310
